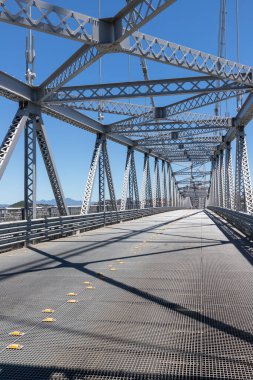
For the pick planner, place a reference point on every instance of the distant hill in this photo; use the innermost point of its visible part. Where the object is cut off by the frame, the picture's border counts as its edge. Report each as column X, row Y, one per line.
column 52, row 202
column 43, row 202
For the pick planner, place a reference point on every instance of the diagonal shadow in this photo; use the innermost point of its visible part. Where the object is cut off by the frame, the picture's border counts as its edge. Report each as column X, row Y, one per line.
column 51, row 258
column 211, row 322
column 113, row 240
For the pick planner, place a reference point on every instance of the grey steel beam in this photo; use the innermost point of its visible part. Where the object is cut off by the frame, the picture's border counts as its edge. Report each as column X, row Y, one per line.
column 50, row 166
column 11, row 138
column 149, row 122
column 156, row 49
column 30, row 170
column 111, row 107
column 49, row 18
column 158, row 87
column 14, row 89
column 82, row 121
column 111, row 32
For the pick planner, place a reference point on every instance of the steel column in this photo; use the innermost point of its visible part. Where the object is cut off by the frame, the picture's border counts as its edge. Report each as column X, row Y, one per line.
column 156, row 186
column 30, row 170
column 146, row 188
column 50, row 166
column 91, row 176
column 11, row 138
column 228, row 179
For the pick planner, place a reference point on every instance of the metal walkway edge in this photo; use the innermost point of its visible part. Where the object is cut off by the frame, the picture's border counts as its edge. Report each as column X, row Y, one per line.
column 168, row 296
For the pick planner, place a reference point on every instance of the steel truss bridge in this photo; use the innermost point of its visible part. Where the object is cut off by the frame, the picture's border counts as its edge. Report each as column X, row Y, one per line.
column 194, row 295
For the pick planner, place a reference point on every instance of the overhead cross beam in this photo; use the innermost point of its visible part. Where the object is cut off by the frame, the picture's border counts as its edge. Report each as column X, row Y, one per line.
column 159, row 87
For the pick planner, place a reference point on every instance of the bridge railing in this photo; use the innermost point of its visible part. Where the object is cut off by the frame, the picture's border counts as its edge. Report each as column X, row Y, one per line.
column 20, row 233
column 242, row 221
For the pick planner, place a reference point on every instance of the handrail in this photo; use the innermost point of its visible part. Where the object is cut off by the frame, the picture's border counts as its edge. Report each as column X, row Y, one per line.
column 25, row 232
column 242, row 221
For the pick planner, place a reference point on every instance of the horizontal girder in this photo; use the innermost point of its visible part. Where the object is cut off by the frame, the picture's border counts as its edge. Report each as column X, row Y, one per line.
column 159, row 87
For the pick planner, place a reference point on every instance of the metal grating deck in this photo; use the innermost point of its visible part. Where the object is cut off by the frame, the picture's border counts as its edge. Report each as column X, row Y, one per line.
column 178, row 306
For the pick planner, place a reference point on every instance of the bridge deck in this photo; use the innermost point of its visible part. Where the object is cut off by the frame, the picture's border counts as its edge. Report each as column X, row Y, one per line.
column 178, row 305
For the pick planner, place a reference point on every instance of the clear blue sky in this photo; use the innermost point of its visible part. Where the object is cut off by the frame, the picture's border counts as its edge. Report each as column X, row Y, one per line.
column 192, row 23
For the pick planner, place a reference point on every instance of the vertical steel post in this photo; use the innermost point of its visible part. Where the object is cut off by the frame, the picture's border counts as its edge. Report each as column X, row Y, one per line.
column 169, row 184
column 157, row 185
column 146, row 188
column 228, row 179
column 164, row 196
column 221, row 178
column 101, row 178
column 91, row 176
column 30, row 171
column 243, row 189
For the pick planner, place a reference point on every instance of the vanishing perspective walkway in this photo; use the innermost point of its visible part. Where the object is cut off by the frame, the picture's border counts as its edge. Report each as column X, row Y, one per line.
column 168, row 296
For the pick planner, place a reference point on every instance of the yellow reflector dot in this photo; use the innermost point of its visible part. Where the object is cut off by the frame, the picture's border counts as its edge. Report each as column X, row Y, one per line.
column 121, row 262
column 72, row 301
column 90, row 287
column 16, row 333
column 71, row 294
column 100, row 274
column 48, row 320
column 48, row 311
column 86, row 282
column 15, row 346
column 113, row 269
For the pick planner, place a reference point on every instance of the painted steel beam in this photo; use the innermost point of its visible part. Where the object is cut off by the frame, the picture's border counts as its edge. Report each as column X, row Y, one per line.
column 14, row 89
column 49, row 18
column 111, row 32
column 82, row 121
column 148, row 122
column 156, row 49
column 159, row 87
column 111, row 107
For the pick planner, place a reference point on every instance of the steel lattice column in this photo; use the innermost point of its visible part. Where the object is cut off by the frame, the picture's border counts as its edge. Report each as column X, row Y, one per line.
column 228, row 179
column 50, row 166
column 130, row 183
column 30, row 170
column 100, row 157
column 221, row 179
column 11, row 138
column 101, row 180
column 146, row 189
column 109, row 176
column 157, row 185
column 243, row 190
column 164, row 198
column 169, row 184
column 173, row 199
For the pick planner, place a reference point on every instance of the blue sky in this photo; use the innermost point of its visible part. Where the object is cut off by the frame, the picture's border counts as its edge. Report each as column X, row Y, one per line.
column 192, row 23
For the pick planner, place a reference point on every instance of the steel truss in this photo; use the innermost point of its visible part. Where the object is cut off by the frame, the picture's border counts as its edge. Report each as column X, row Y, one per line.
column 170, row 133
column 243, row 189
column 156, row 185
column 146, row 188
column 130, row 184
column 99, row 160
column 25, row 119
column 138, row 89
